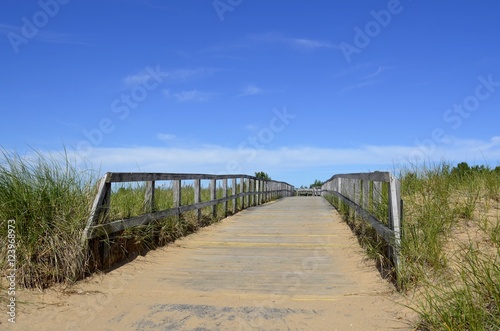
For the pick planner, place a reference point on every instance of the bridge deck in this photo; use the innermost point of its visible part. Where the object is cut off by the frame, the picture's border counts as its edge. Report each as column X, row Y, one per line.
column 287, row 265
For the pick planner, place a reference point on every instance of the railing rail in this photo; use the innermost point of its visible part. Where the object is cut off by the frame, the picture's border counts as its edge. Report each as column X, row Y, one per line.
column 362, row 191
column 308, row 191
column 253, row 191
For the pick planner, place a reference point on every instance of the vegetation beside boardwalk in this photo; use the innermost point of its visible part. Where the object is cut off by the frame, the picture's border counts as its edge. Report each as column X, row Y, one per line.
column 50, row 199
column 450, row 245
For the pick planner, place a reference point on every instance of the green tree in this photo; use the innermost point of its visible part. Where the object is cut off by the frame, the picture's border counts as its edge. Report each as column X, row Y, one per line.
column 262, row 175
column 317, row 183
column 461, row 170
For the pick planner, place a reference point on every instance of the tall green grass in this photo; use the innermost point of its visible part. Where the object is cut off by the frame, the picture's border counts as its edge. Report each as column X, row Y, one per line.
column 456, row 278
column 49, row 198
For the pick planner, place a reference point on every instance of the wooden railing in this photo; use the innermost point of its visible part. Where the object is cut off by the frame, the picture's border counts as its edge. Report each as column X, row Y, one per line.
column 367, row 193
column 308, row 191
column 252, row 191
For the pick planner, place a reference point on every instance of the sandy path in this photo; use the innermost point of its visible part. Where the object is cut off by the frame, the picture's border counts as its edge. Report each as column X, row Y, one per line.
column 287, row 265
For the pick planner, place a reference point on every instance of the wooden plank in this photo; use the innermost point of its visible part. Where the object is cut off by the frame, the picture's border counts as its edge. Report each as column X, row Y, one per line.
column 149, row 197
column 247, row 188
column 213, row 195
column 144, row 177
column 224, row 195
column 371, row 176
column 118, row 225
column 115, row 177
column 242, row 190
column 366, row 194
column 395, row 219
column 233, row 191
column 177, row 191
column 197, row 197
column 102, row 192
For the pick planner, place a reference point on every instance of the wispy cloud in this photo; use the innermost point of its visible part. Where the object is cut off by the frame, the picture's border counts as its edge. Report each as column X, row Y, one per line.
column 175, row 75
column 354, row 69
column 193, row 96
column 299, row 43
column 363, row 75
column 357, row 86
column 215, row 159
column 379, row 70
column 250, row 89
column 165, row 137
column 43, row 35
column 310, row 43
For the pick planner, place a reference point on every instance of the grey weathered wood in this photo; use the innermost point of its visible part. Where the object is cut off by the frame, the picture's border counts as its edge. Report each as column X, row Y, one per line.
column 242, row 190
column 103, row 189
column 247, row 197
column 251, row 189
column 197, row 197
column 177, row 191
column 371, row 176
column 213, row 195
column 395, row 219
column 366, row 194
column 377, row 194
column 118, row 225
column 233, row 191
column 101, row 202
column 149, row 197
column 224, row 195
column 357, row 190
column 381, row 229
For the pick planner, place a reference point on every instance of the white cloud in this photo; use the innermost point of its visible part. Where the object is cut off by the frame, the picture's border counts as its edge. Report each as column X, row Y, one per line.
column 165, row 137
column 142, row 76
column 357, row 86
column 250, row 89
column 192, row 96
column 310, row 43
column 301, row 43
column 303, row 160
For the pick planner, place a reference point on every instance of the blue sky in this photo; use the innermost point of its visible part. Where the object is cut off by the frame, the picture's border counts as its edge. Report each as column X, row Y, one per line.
column 299, row 89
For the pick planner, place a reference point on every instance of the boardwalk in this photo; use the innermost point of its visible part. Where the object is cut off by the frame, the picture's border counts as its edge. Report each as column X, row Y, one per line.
column 287, row 265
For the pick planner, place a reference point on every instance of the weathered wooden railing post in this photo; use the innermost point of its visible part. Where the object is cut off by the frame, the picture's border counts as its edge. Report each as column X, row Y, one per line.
column 197, row 197
column 251, row 191
column 242, row 190
column 395, row 217
column 363, row 194
column 366, row 194
column 261, row 190
column 224, row 195
column 213, row 195
column 247, row 189
column 149, row 197
column 149, row 203
column 251, row 186
column 233, row 191
column 377, row 195
column 177, row 191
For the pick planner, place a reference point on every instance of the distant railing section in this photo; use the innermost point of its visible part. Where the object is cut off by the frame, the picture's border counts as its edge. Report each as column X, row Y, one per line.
column 308, row 191
column 367, row 193
column 248, row 190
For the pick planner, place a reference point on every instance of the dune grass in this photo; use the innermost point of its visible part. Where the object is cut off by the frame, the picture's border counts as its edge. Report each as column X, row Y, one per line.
column 49, row 199
column 450, row 236
column 450, row 246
